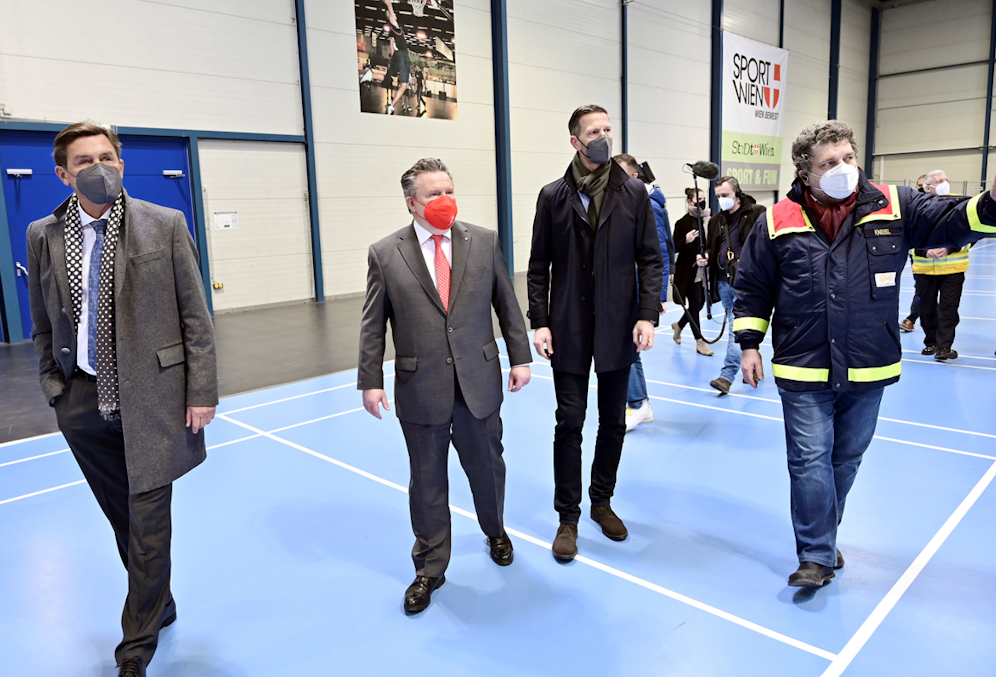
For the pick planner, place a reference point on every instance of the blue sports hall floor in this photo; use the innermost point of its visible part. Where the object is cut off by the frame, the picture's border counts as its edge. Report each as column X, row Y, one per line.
column 291, row 543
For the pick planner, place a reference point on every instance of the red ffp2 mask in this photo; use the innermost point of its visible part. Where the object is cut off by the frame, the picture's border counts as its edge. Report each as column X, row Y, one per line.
column 441, row 212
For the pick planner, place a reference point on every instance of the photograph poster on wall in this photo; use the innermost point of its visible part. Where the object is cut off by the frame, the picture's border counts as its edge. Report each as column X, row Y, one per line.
column 406, row 58
column 754, row 77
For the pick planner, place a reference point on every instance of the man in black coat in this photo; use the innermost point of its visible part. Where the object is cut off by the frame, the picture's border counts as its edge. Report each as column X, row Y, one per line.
column 593, row 234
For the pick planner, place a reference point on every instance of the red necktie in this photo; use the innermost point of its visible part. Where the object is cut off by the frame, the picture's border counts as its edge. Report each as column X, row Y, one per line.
column 442, row 273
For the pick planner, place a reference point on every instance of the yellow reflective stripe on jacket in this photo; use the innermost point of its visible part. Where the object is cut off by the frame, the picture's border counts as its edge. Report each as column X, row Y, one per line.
column 955, row 262
column 973, row 216
column 755, row 323
column 807, row 374
column 889, row 216
column 871, row 374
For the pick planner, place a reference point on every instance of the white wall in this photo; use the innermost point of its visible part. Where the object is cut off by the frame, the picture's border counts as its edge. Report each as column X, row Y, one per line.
column 222, row 65
column 268, row 259
column 855, row 50
column 936, row 110
column 669, row 70
column 361, row 156
column 562, row 54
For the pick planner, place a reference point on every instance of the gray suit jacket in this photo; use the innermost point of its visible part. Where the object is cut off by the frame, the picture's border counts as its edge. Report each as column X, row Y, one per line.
column 164, row 335
column 434, row 349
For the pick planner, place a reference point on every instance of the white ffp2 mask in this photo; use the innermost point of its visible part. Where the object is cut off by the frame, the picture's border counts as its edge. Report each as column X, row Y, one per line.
column 726, row 203
column 839, row 181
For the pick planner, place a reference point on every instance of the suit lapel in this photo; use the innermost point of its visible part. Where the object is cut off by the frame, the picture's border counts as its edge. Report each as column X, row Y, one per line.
column 411, row 252
column 121, row 253
column 459, row 250
column 57, row 250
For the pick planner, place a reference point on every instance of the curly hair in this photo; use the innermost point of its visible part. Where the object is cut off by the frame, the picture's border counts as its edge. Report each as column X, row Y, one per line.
column 828, row 131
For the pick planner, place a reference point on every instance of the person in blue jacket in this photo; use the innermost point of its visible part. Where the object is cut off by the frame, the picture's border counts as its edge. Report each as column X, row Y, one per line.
column 827, row 260
column 638, row 409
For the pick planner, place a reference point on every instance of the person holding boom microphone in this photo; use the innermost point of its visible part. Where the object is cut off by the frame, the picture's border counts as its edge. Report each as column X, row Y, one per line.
column 689, row 268
column 827, row 260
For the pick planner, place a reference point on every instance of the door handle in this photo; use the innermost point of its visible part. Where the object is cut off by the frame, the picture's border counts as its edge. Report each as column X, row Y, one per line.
column 21, row 270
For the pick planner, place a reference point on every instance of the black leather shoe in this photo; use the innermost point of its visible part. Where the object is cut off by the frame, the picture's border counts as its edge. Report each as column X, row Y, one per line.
column 501, row 550
column 612, row 526
column 810, row 575
column 946, row 354
column 928, row 350
column 840, row 560
column 419, row 593
column 132, row 667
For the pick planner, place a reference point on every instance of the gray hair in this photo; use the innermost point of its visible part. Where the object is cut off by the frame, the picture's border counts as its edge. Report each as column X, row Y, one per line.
column 423, row 166
column 828, row 131
column 928, row 179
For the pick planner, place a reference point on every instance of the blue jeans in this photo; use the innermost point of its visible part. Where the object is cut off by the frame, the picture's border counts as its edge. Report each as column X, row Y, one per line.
column 731, row 365
column 637, row 385
column 826, row 434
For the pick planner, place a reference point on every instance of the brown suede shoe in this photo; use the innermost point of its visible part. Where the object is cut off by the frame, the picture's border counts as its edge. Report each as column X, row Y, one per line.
column 565, row 545
column 612, row 526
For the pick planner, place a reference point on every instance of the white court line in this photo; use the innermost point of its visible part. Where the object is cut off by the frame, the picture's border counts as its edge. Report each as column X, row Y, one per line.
column 584, row 560
column 26, row 439
column 880, row 418
column 73, row 484
column 43, row 491
column 949, row 364
column 297, row 397
column 32, row 458
column 960, row 355
column 871, row 624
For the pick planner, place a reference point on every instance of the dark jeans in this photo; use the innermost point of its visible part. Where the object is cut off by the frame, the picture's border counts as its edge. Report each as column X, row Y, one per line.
column 939, row 318
column 637, row 394
column 694, row 300
column 141, row 522
column 826, row 434
column 478, row 444
column 572, row 405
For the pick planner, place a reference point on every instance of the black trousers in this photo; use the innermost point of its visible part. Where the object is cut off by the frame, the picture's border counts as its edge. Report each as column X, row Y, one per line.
column 572, row 404
column 694, row 300
column 141, row 522
column 940, row 317
column 478, row 444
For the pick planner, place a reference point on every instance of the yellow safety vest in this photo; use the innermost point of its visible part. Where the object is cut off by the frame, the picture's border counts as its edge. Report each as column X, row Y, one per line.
column 955, row 262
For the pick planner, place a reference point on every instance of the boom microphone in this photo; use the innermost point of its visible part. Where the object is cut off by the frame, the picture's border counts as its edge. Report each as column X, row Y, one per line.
column 707, row 170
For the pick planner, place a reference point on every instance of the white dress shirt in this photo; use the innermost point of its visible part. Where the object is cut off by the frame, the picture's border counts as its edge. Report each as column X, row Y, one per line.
column 428, row 246
column 82, row 340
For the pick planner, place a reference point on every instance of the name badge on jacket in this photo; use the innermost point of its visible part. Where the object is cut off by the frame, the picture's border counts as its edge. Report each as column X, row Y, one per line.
column 885, row 279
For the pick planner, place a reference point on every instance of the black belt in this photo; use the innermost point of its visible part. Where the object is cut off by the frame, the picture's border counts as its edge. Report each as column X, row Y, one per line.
column 79, row 373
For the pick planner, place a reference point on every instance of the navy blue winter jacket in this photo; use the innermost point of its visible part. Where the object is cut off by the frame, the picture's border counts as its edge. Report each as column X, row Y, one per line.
column 836, row 305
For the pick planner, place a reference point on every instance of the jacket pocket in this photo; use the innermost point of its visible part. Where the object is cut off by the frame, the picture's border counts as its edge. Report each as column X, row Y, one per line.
column 148, row 256
column 885, row 260
column 405, row 363
column 491, row 351
column 171, row 355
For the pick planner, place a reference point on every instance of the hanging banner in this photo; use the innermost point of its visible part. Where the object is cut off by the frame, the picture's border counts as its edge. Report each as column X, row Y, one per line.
column 406, row 58
column 754, row 77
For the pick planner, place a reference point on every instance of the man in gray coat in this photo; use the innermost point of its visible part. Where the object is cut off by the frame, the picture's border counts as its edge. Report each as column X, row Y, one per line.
column 126, row 355
column 437, row 280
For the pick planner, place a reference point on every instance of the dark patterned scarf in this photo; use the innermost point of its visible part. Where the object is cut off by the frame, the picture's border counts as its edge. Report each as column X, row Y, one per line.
column 108, row 400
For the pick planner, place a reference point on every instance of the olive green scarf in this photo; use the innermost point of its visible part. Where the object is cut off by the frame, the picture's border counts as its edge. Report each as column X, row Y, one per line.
column 592, row 184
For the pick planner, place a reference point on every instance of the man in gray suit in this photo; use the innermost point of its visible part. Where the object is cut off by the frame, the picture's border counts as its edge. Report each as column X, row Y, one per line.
column 437, row 280
column 126, row 355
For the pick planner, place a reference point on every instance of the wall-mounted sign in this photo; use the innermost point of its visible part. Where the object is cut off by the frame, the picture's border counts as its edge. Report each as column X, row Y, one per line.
column 226, row 220
column 754, row 78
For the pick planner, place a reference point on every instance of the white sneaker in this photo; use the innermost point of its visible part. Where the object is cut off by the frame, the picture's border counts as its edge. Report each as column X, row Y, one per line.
column 390, row 109
column 634, row 417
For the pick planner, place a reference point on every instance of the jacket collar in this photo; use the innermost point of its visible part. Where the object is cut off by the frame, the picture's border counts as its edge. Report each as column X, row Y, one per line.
column 617, row 179
column 870, row 199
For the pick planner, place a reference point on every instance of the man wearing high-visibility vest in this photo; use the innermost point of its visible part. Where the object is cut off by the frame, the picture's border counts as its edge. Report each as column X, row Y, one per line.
column 939, row 272
column 826, row 261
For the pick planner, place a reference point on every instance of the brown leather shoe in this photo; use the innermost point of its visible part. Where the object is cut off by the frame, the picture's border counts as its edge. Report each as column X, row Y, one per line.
column 565, row 545
column 810, row 575
column 612, row 526
column 906, row 326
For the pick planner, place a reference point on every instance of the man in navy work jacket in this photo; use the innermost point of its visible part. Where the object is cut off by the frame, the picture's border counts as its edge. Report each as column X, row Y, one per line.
column 827, row 261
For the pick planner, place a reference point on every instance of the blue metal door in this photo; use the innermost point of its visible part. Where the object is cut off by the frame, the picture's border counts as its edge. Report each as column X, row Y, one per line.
column 156, row 170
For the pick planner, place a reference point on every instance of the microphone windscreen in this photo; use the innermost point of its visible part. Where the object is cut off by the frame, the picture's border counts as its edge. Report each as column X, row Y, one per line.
column 707, row 170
